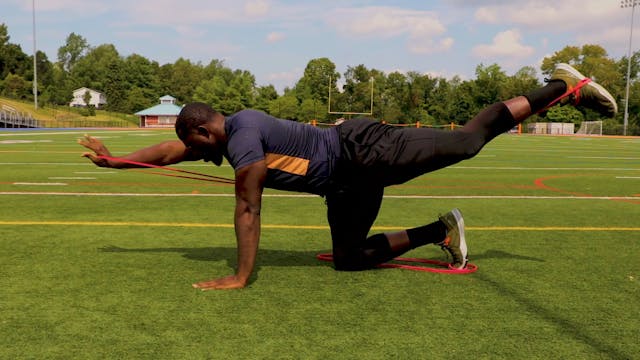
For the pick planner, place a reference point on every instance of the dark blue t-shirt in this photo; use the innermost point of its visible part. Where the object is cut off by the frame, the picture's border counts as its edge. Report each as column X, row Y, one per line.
column 299, row 157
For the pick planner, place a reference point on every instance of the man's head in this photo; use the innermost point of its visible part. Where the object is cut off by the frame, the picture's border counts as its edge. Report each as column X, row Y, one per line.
column 201, row 129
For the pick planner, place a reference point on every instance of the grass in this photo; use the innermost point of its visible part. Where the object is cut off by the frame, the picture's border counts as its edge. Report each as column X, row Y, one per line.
column 109, row 276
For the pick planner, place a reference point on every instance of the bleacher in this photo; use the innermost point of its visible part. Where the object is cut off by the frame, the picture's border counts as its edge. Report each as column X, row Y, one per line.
column 10, row 118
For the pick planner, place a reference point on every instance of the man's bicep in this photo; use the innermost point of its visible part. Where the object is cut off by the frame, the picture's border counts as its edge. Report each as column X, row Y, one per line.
column 245, row 147
column 249, row 187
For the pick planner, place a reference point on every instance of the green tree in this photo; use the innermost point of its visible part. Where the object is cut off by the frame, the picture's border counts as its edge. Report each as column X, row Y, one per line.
column 311, row 110
column 139, row 98
column 465, row 105
column 522, row 82
column 264, row 95
column 490, row 82
column 319, row 74
column 180, row 79
column 228, row 91
column 440, row 104
column 73, row 50
column 141, row 77
column 565, row 114
column 394, row 100
column 284, row 107
column 16, row 87
column 420, row 86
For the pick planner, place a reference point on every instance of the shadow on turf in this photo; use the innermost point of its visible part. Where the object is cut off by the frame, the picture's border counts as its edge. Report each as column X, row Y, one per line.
column 270, row 257
column 266, row 257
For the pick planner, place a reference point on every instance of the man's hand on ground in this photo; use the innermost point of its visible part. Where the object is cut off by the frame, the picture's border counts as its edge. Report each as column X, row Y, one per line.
column 229, row 282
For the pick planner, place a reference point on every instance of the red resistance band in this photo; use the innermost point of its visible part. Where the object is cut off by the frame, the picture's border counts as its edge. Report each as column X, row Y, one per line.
column 200, row 176
column 574, row 90
column 444, row 267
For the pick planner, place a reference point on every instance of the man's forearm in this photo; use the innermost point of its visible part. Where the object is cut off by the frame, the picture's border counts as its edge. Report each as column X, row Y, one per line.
column 165, row 153
column 247, row 224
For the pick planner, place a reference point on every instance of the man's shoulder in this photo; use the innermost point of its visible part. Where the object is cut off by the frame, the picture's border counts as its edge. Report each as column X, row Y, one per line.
column 248, row 115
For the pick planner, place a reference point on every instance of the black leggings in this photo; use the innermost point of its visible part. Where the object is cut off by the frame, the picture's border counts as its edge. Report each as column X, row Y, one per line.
column 375, row 155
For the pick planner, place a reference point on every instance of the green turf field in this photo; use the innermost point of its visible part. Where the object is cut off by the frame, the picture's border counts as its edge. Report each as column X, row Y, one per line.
column 98, row 263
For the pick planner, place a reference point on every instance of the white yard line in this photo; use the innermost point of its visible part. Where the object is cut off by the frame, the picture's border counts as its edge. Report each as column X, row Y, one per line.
column 40, row 183
column 71, row 178
column 514, row 197
column 604, row 157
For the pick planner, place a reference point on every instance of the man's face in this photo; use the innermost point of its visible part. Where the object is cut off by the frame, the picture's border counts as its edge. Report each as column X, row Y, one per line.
column 203, row 143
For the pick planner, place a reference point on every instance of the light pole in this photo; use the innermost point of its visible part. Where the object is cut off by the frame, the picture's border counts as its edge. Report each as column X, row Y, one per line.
column 35, row 54
column 628, row 4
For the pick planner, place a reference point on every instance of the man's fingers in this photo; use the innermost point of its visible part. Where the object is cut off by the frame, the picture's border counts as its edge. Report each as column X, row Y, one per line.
column 90, row 155
column 223, row 283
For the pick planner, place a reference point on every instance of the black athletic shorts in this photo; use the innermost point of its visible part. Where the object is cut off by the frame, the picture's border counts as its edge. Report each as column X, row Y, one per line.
column 379, row 155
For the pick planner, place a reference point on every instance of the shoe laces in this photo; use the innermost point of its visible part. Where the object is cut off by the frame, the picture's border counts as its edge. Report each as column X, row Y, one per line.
column 444, row 246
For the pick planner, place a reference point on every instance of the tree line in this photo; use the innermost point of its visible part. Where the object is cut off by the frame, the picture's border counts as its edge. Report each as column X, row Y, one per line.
column 133, row 83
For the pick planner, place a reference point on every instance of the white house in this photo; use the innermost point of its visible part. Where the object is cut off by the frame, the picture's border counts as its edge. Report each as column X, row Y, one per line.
column 97, row 98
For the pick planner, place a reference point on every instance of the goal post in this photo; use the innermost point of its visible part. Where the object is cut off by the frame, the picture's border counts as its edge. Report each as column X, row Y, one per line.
column 590, row 128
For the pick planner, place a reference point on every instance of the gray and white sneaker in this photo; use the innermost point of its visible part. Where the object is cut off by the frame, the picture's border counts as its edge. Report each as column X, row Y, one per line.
column 455, row 243
column 591, row 94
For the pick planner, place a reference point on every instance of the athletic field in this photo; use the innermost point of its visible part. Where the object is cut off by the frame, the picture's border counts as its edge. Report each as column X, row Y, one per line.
column 98, row 263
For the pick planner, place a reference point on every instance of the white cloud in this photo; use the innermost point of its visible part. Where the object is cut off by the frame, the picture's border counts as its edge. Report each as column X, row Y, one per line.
column 505, row 44
column 385, row 22
column 275, row 36
column 75, row 6
column 590, row 21
column 551, row 14
column 256, row 8
column 429, row 46
column 423, row 29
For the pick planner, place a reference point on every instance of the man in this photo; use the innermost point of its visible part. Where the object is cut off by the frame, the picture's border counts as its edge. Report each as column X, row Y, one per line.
column 349, row 164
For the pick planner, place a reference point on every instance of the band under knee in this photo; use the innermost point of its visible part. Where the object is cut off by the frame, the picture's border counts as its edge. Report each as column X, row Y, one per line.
column 374, row 251
column 542, row 97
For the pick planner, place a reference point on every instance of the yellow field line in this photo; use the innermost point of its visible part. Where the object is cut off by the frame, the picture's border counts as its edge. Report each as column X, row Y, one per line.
column 299, row 227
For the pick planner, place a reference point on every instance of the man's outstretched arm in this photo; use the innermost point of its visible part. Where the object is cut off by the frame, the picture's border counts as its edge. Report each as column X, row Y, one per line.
column 164, row 153
column 249, row 187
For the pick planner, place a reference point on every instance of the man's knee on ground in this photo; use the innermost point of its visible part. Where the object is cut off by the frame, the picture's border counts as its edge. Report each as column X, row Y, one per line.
column 350, row 262
column 375, row 250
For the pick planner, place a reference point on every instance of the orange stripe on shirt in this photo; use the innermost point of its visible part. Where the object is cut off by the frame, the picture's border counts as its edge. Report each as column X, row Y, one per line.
column 291, row 164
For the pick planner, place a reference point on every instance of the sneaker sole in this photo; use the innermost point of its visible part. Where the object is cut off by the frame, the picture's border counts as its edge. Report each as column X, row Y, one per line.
column 602, row 91
column 463, row 243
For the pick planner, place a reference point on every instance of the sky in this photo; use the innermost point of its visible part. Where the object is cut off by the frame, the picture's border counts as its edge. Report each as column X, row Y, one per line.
column 275, row 39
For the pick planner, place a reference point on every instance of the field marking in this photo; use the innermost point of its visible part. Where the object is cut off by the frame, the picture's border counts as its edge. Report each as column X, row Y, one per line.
column 40, row 183
column 91, row 164
column 24, row 141
column 604, row 157
column 296, row 227
column 450, row 167
column 627, row 177
column 514, row 197
column 95, row 172
column 28, row 133
column 540, row 168
column 71, row 178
